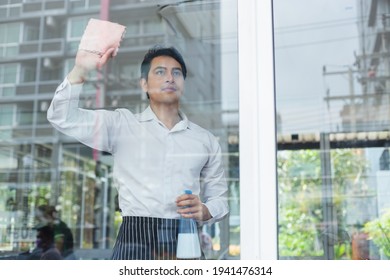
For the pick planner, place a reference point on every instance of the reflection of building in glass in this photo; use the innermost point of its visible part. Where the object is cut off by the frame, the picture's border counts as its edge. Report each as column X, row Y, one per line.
column 371, row 111
column 38, row 41
column 368, row 108
column 372, row 108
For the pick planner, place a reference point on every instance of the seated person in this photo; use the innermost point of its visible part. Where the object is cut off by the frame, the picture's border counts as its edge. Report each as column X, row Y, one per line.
column 45, row 241
column 63, row 236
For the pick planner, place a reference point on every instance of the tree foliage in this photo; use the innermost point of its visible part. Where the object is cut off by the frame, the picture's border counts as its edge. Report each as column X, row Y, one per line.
column 301, row 219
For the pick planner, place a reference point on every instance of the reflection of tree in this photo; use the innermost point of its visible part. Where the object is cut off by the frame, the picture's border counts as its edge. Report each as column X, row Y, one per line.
column 301, row 221
column 378, row 231
column 77, row 199
column 299, row 203
column 89, row 222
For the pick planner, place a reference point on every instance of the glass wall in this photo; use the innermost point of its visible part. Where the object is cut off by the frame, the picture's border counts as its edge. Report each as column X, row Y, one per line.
column 40, row 166
column 333, row 116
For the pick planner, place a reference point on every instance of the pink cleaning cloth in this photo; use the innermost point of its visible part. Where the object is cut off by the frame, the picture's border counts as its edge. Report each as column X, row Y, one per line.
column 101, row 35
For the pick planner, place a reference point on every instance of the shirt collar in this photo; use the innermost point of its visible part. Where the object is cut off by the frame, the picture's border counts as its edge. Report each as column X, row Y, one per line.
column 149, row 115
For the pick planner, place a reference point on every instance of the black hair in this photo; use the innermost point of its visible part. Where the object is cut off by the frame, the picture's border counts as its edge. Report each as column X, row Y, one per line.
column 159, row 50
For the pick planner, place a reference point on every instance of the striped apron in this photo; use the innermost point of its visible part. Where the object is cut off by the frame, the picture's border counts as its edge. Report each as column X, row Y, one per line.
column 146, row 238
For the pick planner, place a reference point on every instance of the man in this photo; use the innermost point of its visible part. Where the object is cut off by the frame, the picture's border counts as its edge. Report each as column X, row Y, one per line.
column 157, row 154
column 45, row 241
column 63, row 236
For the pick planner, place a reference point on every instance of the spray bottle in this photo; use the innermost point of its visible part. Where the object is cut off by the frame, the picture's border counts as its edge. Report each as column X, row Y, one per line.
column 188, row 246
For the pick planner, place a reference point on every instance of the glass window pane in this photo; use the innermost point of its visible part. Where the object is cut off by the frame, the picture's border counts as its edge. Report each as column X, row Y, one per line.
column 5, row 135
column 10, row 72
column 13, row 32
column 6, row 159
column 25, row 114
column 11, row 51
column 7, row 115
column 153, row 26
column 94, row 3
column 78, row 4
column 332, row 84
column 28, row 75
column 31, row 33
column 14, row 12
column 3, row 28
column 49, row 168
column 132, row 27
column 3, row 12
column 77, row 26
column 7, row 91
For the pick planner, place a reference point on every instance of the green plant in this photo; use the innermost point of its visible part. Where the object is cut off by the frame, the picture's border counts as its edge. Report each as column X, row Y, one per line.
column 301, row 205
column 378, row 231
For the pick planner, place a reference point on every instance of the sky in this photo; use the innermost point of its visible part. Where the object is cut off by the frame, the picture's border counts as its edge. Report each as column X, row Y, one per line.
column 308, row 35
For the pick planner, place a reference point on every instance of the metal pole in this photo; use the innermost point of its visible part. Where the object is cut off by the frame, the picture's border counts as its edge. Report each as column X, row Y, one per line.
column 329, row 233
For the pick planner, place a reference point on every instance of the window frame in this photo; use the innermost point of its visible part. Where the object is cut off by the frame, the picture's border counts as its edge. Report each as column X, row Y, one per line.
column 257, row 127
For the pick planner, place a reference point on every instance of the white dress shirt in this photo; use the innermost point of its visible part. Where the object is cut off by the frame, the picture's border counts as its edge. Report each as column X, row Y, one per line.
column 152, row 164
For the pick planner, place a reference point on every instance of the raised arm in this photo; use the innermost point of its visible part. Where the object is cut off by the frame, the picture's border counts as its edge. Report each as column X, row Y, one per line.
column 93, row 128
column 87, row 62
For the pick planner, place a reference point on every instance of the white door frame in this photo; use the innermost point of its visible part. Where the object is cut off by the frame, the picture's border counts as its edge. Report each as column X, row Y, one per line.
column 258, row 183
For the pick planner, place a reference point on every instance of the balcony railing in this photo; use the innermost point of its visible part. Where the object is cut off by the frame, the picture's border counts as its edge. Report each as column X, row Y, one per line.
column 45, row 6
column 44, row 87
column 46, row 46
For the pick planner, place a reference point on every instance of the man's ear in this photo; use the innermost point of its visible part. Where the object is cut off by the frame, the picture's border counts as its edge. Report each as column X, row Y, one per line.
column 144, row 84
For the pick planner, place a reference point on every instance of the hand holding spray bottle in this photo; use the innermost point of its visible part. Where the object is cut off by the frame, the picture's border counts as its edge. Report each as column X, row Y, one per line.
column 188, row 246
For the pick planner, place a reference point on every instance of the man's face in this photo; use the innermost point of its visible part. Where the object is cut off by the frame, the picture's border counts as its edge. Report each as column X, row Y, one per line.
column 165, row 82
column 41, row 241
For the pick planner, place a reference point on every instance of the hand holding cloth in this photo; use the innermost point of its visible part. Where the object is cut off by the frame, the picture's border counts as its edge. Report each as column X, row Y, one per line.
column 100, row 36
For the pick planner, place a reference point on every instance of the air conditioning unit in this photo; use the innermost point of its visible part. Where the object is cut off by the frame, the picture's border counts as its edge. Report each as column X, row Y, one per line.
column 48, row 62
column 44, row 106
column 50, row 21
